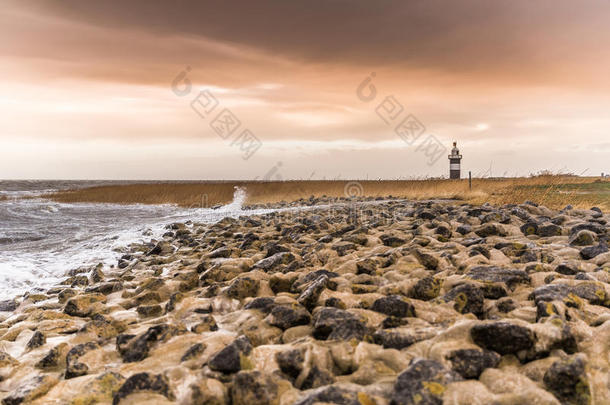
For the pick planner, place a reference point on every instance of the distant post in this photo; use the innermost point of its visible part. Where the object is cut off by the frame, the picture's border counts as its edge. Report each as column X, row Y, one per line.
column 470, row 180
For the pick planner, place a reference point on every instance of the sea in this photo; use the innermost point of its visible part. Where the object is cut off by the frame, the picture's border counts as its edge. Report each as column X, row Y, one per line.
column 40, row 240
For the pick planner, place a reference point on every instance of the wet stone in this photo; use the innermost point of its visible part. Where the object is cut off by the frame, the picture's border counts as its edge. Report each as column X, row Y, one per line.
column 393, row 322
column 467, row 298
column 281, row 283
column 207, row 323
column 470, row 363
column 349, row 329
column 133, row 349
column 426, row 289
column 583, row 238
column 54, row 358
column 393, row 305
column 8, row 305
column 427, row 260
column 589, row 226
column 263, row 304
column 288, row 316
column 194, row 351
column 230, row 359
column 106, row 288
column 549, row 230
column 502, row 337
column 162, row 249
column 37, row 340
column 309, row 297
column 366, row 266
column 30, row 389
column 312, row 276
column 550, row 292
column 392, row 241
column 334, row 302
column 243, row 287
column 222, row 252
column 511, row 277
column 253, row 388
column 443, row 231
column 567, row 380
column 82, row 305
column 422, row 383
column 343, row 248
column 331, row 394
column 479, row 250
column 591, row 252
column 272, row 262
column 545, row 309
column 490, row 230
column 144, row 382
column 393, row 339
column 327, row 319
column 566, row 269
column 506, row 305
column 149, row 311
column 529, row 228
column 73, row 367
column 493, row 291
column 464, row 229
column 290, row 362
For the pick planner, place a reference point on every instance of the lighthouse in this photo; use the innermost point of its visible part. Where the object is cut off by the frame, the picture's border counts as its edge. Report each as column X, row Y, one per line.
column 454, row 162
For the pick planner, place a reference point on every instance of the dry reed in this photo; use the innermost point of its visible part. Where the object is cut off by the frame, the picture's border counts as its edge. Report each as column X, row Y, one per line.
column 546, row 190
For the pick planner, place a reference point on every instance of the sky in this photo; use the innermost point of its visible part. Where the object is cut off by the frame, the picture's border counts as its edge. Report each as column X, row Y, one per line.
column 277, row 90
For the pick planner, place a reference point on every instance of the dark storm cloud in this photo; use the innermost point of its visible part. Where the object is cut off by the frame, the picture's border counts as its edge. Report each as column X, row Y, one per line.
column 446, row 35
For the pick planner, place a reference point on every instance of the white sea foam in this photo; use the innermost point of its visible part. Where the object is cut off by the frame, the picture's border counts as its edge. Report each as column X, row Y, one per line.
column 40, row 240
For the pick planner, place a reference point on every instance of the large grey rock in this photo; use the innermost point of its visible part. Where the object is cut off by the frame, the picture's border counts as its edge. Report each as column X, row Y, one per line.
column 567, row 380
column 229, row 359
column 511, row 277
column 422, row 383
column 502, row 337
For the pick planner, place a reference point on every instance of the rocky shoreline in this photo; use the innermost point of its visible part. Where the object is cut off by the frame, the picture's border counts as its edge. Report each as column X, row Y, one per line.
column 370, row 302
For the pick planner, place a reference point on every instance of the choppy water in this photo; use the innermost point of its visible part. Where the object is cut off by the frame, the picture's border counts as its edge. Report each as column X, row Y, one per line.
column 41, row 240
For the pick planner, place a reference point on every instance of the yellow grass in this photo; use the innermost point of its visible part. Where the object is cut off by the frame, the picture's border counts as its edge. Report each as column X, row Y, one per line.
column 541, row 189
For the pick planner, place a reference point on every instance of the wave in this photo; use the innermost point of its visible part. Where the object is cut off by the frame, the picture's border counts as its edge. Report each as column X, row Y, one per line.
column 41, row 241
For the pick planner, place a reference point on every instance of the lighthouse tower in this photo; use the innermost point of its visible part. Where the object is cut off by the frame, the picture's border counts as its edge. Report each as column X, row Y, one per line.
column 454, row 162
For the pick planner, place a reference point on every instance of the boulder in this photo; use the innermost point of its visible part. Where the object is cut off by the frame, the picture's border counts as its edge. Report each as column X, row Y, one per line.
column 288, row 316
column 567, row 380
column 490, row 229
column 333, row 323
column 30, row 389
column 593, row 251
column 422, row 383
column 136, row 348
column 393, row 305
column 37, row 340
column 243, row 287
column 144, row 382
column 309, row 297
column 511, row 277
column 470, row 363
column 391, row 240
column 233, row 357
column 426, row 289
column 502, row 337
column 73, row 367
column 583, row 237
column 426, row 259
column 253, row 388
column 467, row 298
